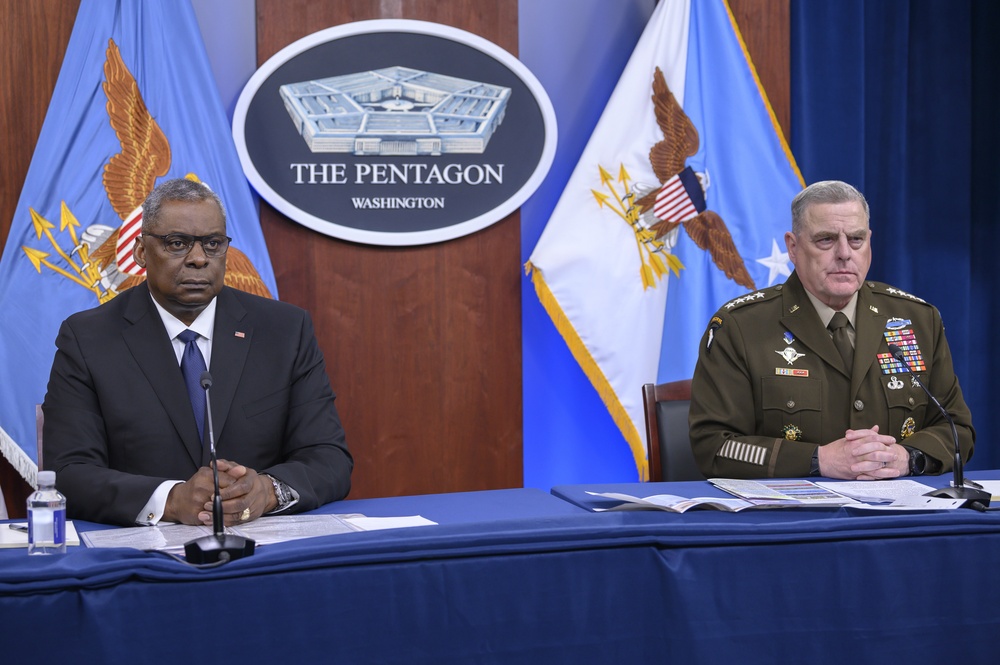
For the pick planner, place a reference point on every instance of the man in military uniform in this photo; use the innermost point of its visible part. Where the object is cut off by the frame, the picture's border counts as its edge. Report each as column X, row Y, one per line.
column 798, row 379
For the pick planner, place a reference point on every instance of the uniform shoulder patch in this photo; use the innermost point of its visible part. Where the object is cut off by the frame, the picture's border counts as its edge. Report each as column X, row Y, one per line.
column 885, row 289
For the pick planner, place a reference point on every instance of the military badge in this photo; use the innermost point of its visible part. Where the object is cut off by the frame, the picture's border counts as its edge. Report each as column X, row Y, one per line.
column 713, row 325
column 792, row 433
column 907, row 341
column 896, row 323
column 790, row 355
column 894, row 383
column 908, row 428
column 788, row 337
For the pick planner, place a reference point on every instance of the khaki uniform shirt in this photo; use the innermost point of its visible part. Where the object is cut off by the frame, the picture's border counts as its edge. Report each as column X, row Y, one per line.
column 770, row 386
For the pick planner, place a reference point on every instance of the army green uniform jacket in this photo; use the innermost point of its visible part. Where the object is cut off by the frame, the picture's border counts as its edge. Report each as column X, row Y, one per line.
column 770, row 386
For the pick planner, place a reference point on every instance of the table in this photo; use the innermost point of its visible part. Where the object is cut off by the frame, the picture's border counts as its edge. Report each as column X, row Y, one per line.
column 828, row 585
column 521, row 576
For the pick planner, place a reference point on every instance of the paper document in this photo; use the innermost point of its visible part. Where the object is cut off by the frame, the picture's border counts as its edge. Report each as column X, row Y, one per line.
column 878, row 491
column 378, row 523
column 671, row 503
column 793, row 491
column 912, row 503
column 11, row 538
column 993, row 487
column 264, row 530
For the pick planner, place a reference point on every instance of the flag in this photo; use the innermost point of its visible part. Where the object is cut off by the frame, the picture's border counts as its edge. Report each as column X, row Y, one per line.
column 679, row 203
column 135, row 104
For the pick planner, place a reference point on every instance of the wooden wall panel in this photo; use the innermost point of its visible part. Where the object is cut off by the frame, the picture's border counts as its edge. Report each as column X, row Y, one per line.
column 31, row 53
column 423, row 344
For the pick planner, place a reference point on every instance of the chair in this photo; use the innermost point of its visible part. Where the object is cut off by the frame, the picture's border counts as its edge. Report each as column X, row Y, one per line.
column 668, row 445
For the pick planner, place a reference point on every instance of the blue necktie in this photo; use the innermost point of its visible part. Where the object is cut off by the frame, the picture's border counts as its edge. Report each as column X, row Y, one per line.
column 192, row 367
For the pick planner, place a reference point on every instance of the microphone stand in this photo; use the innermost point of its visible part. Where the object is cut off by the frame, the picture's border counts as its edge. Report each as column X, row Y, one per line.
column 220, row 546
column 977, row 499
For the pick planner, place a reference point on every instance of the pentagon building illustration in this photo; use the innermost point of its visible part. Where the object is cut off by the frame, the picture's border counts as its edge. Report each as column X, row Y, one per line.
column 395, row 111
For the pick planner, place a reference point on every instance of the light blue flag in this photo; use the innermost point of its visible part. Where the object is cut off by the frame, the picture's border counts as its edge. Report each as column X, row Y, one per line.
column 751, row 178
column 678, row 204
column 135, row 104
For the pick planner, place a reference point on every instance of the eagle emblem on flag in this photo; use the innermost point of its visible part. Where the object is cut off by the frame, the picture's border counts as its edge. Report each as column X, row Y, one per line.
column 656, row 213
column 100, row 259
column 680, row 201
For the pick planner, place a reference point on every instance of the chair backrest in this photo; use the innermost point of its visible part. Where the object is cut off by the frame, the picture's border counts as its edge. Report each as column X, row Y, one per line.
column 668, row 444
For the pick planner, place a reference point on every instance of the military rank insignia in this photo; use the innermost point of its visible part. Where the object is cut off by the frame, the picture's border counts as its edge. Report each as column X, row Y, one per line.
column 907, row 341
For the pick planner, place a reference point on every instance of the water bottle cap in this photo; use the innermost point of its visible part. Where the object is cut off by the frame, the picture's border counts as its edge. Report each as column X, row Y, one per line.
column 46, row 477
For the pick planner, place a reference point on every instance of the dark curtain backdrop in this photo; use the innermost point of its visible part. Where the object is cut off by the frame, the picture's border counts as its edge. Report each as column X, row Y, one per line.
column 897, row 97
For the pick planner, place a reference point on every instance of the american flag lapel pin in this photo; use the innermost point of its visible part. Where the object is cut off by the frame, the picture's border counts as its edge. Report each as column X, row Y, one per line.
column 240, row 334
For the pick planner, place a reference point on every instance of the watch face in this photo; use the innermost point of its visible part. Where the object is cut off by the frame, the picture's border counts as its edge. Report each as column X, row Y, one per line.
column 917, row 462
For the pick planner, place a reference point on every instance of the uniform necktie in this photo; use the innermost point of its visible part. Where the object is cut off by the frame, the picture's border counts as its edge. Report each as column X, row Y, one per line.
column 838, row 326
column 192, row 367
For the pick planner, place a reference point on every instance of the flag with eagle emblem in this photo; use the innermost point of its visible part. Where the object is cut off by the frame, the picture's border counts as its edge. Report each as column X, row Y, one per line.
column 679, row 202
column 135, row 103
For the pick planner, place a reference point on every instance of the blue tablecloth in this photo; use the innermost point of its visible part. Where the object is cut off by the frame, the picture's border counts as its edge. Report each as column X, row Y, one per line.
column 518, row 576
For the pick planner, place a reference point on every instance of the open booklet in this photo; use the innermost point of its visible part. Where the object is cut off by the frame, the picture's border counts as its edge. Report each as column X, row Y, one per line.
column 898, row 494
column 265, row 530
column 789, row 491
column 767, row 493
column 679, row 504
column 888, row 495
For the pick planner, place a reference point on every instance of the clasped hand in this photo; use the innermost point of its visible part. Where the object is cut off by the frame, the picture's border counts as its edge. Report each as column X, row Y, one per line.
column 863, row 454
column 246, row 495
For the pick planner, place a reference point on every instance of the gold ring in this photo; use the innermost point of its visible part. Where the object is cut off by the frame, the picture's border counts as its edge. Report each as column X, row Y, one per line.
column 245, row 515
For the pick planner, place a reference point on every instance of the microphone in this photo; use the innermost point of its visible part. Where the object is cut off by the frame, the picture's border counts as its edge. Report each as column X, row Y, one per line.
column 219, row 547
column 976, row 499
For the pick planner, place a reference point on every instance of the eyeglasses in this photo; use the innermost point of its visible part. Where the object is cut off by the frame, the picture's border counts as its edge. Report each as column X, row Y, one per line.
column 181, row 244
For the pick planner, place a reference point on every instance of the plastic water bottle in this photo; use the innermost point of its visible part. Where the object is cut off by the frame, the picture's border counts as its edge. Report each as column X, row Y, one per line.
column 46, row 517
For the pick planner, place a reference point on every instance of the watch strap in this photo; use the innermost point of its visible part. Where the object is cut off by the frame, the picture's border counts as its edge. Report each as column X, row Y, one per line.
column 282, row 493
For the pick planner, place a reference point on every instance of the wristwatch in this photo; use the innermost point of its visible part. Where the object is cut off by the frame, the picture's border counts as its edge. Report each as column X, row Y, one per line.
column 282, row 493
column 918, row 462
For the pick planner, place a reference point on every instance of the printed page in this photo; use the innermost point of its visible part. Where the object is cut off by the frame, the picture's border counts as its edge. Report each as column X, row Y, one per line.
column 170, row 537
column 280, row 528
column 784, row 491
column 911, row 503
column 878, row 491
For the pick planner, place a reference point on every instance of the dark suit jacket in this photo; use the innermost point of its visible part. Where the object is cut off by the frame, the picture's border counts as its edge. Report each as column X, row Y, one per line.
column 118, row 420
column 754, row 414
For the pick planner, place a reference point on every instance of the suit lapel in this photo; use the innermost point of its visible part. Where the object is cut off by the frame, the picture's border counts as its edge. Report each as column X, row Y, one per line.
column 147, row 340
column 230, row 348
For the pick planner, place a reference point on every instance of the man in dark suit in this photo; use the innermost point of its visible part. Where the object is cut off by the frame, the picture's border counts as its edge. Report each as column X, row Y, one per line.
column 121, row 431
column 782, row 389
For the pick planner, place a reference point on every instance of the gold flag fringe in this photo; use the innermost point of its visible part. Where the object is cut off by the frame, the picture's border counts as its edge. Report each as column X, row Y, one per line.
column 592, row 370
column 18, row 459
